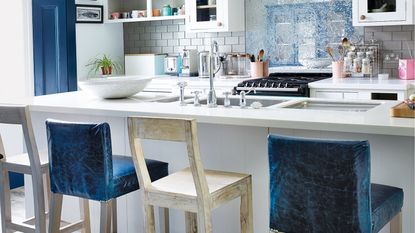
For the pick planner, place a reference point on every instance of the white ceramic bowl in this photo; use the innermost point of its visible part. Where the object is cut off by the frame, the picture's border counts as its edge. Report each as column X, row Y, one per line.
column 313, row 63
column 115, row 87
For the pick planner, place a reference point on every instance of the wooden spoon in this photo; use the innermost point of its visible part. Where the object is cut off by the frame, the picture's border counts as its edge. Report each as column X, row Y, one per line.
column 261, row 55
column 329, row 50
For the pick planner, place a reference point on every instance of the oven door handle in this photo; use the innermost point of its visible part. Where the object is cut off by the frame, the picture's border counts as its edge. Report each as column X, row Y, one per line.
column 267, row 89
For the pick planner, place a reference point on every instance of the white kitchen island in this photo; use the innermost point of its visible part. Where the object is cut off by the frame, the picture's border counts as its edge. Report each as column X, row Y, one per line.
column 234, row 139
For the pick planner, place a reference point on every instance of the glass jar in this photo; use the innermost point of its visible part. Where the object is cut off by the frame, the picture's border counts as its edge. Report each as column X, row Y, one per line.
column 366, row 68
column 242, row 64
column 166, row 10
column 357, row 67
column 232, row 64
column 348, row 67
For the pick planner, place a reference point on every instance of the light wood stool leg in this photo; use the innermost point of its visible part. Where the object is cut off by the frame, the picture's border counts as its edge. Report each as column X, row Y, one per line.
column 55, row 213
column 39, row 202
column 191, row 222
column 149, row 222
column 166, row 218
column 105, row 221
column 204, row 223
column 246, row 217
column 396, row 224
column 5, row 202
column 85, row 215
column 114, row 215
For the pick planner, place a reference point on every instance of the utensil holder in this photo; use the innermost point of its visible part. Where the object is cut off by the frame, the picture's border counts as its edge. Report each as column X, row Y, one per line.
column 337, row 69
column 257, row 69
column 266, row 68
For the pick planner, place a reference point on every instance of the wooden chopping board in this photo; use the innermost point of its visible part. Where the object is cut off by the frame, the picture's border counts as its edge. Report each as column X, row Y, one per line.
column 402, row 110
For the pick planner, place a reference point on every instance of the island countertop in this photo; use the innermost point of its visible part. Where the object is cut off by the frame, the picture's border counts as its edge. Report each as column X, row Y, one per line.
column 374, row 121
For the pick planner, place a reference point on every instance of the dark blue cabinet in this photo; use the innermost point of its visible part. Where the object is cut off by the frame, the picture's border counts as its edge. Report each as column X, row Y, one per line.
column 54, row 46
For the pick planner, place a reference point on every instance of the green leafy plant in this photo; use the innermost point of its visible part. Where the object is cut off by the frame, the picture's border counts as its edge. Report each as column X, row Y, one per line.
column 105, row 64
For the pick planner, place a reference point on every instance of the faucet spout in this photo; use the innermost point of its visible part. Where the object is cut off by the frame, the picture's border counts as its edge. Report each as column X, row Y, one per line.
column 211, row 98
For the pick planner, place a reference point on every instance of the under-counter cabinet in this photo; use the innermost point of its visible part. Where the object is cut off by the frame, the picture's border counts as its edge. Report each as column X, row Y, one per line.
column 382, row 13
column 215, row 15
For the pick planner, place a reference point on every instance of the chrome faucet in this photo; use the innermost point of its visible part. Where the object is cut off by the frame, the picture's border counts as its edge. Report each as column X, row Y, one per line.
column 211, row 97
column 182, row 85
column 242, row 97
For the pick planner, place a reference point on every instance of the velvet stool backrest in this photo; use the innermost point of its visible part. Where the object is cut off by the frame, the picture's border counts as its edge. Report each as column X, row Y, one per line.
column 319, row 186
column 80, row 159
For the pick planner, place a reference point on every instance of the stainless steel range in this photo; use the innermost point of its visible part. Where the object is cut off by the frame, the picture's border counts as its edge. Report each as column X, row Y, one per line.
column 281, row 84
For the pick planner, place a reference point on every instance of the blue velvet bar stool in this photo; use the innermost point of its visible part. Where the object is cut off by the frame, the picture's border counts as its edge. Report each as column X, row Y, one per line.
column 322, row 186
column 81, row 164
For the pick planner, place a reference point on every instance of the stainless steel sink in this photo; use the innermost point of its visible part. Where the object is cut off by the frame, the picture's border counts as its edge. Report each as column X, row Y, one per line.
column 333, row 106
column 171, row 99
column 249, row 101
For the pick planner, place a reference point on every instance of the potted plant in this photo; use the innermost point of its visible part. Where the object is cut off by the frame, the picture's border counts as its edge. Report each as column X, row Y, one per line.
column 105, row 64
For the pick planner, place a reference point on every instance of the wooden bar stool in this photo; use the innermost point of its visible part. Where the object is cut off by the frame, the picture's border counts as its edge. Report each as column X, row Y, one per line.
column 82, row 165
column 324, row 186
column 31, row 163
column 195, row 190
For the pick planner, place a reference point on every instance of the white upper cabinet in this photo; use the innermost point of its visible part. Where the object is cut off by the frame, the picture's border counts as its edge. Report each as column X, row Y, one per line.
column 215, row 15
column 383, row 12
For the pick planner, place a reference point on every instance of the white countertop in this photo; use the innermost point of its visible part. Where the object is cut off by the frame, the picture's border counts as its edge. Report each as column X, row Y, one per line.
column 364, row 84
column 165, row 83
column 374, row 121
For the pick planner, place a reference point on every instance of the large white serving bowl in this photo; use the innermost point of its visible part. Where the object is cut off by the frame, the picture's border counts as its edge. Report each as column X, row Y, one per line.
column 315, row 63
column 115, row 87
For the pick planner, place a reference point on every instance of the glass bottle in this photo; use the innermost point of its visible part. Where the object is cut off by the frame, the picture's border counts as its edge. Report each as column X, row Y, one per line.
column 348, row 66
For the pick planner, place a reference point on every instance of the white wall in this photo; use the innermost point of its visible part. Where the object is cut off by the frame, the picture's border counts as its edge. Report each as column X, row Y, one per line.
column 16, row 77
column 93, row 40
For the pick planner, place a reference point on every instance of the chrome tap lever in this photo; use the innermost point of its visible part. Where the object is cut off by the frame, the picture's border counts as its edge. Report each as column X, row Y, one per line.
column 182, row 85
column 242, row 99
column 196, row 101
column 227, row 100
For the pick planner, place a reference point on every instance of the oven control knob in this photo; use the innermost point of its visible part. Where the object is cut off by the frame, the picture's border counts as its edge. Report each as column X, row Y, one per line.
column 362, row 17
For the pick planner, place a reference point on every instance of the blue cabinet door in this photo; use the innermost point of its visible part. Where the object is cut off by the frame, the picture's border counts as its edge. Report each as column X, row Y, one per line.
column 54, row 46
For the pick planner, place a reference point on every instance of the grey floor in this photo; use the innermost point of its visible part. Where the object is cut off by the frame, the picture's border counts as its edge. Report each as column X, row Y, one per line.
column 18, row 204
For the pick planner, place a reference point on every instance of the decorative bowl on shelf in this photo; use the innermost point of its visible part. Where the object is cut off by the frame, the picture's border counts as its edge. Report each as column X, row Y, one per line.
column 115, row 87
column 315, row 63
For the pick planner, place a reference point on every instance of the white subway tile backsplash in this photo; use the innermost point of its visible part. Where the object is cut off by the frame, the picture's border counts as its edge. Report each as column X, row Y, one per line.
column 190, row 35
column 178, row 35
column 225, row 48
column 150, row 43
column 392, row 28
column 150, row 29
column 173, row 28
column 224, row 34
column 161, row 42
column 392, row 45
column 197, row 41
column 168, row 50
column 173, row 42
column 167, row 22
column 167, row 35
column 184, row 42
column 161, row 28
column 182, row 28
column 238, row 48
column 155, row 36
column 402, row 35
column 232, row 40
column 170, row 36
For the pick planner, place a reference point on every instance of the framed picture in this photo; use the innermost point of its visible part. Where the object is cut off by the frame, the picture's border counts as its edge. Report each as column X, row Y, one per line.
column 89, row 14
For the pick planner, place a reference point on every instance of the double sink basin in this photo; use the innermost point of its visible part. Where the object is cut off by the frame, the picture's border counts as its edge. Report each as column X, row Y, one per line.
column 273, row 103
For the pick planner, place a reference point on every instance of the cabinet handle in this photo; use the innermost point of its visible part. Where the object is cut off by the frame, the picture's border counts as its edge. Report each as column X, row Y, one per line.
column 220, row 24
column 362, row 17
